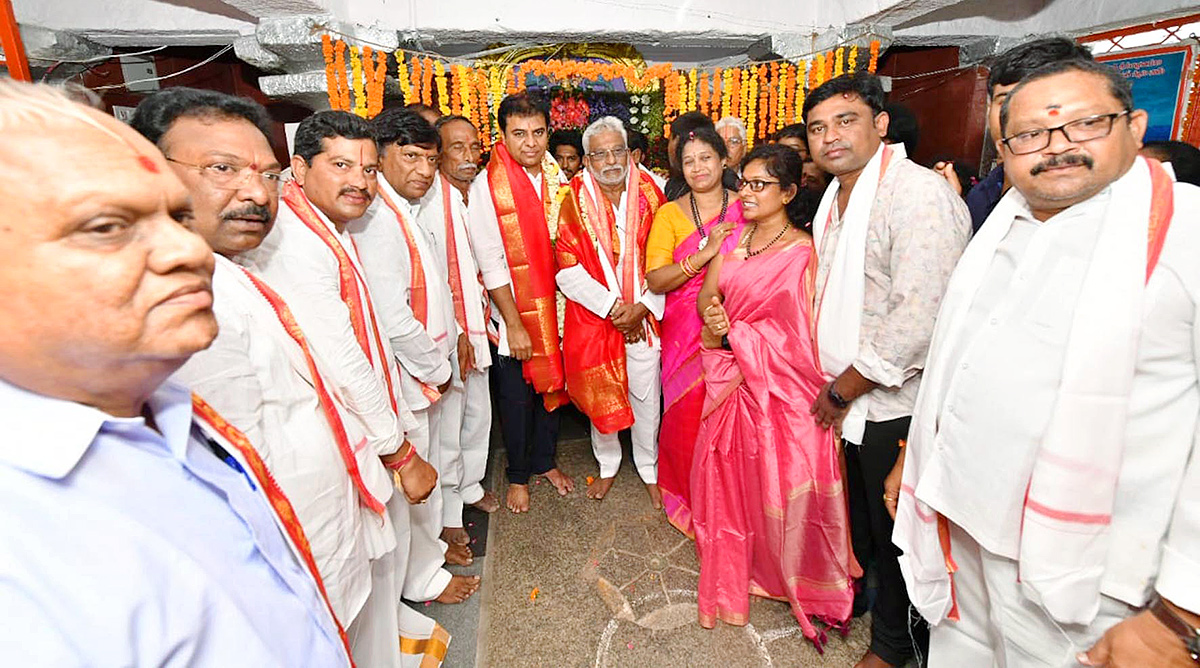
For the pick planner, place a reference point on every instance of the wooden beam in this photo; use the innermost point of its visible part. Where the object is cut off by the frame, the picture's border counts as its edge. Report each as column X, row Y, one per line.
column 10, row 40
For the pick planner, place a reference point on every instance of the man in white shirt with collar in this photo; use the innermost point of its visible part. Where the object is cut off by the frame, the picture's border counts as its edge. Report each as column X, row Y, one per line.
column 311, row 260
column 513, row 208
column 415, row 308
column 138, row 528
column 467, row 405
column 1051, row 484
column 265, row 379
column 610, row 335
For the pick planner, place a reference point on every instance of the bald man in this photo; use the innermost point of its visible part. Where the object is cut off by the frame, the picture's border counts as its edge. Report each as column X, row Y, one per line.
column 139, row 527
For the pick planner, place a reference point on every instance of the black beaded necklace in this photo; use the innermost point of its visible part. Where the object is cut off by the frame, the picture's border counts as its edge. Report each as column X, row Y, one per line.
column 750, row 240
column 696, row 215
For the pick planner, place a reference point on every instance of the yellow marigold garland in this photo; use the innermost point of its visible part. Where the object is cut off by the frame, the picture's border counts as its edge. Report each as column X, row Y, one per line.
column 751, row 108
column 726, row 93
column 801, row 83
column 852, row 65
column 443, row 96
column 839, row 61
column 402, row 76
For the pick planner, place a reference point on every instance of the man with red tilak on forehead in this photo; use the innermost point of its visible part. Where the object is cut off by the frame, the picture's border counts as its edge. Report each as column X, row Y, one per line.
column 310, row 260
column 1049, row 508
column 139, row 528
column 512, row 214
column 416, row 313
column 610, row 334
column 265, row 378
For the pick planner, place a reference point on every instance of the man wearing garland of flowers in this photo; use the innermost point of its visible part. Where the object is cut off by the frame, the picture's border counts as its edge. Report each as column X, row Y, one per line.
column 611, row 339
column 513, row 206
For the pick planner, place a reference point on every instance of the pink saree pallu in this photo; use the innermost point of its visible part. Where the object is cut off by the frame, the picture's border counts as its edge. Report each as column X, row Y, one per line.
column 768, row 501
column 683, row 378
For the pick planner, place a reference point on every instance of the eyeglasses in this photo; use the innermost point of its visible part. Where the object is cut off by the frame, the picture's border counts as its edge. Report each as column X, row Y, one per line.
column 618, row 154
column 735, row 141
column 1084, row 129
column 755, row 185
column 230, row 177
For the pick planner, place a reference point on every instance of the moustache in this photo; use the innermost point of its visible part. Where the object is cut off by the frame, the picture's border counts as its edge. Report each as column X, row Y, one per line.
column 1062, row 161
column 467, row 167
column 252, row 211
column 351, row 190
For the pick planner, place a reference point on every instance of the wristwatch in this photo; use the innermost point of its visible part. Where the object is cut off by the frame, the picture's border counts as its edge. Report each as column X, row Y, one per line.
column 1189, row 634
column 837, row 399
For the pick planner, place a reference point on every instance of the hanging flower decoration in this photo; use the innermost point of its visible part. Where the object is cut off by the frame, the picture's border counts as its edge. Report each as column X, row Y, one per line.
column 569, row 112
column 751, row 109
column 839, row 62
column 802, row 76
column 787, row 96
column 376, row 81
column 402, row 76
column 852, row 64
column 874, row 56
column 332, row 88
column 443, row 96
column 427, row 82
column 772, row 100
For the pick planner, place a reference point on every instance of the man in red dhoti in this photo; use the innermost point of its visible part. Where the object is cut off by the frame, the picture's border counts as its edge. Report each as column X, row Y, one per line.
column 611, row 347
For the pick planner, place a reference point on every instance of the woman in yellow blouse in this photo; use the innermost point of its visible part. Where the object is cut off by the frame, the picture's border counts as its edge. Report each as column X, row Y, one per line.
column 687, row 233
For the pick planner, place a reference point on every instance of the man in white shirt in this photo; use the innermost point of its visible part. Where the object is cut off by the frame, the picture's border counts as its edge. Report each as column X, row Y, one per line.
column 309, row 258
column 733, row 131
column 138, row 527
column 513, row 206
column 262, row 376
column 888, row 233
column 610, row 339
column 1051, row 485
column 467, row 405
column 413, row 301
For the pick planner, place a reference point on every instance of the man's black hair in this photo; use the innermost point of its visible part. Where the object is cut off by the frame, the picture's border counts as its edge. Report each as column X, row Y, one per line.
column 1184, row 158
column 158, row 112
column 1015, row 64
column 704, row 134
column 902, row 127
column 796, row 130
column 314, row 130
column 404, row 127
column 521, row 104
column 862, row 84
column 692, row 120
column 637, row 141
column 566, row 138
column 1118, row 86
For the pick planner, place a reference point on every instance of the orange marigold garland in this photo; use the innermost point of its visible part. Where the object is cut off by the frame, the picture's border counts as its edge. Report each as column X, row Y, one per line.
column 874, row 56
column 718, row 96
column 427, row 82
column 339, row 72
column 331, row 88
column 735, row 92
column 417, row 77
column 772, row 100
column 376, row 82
column 829, row 65
column 702, row 103
column 787, row 96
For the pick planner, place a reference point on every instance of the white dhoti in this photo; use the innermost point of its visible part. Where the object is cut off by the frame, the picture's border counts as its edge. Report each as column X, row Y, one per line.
column 425, row 578
column 1000, row 627
column 466, row 427
column 642, row 365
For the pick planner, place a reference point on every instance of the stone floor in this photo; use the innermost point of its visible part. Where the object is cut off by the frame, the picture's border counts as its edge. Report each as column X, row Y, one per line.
column 583, row 584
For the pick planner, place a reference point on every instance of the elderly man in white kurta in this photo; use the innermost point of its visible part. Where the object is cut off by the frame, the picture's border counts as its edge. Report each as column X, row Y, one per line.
column 416, row 314
column 611, row 346
column 265, row 379
column 467, row 405
column 1051, row 485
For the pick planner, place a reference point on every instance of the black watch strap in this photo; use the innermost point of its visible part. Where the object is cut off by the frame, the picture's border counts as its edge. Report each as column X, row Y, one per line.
column 837, row 399
column 1186, row 632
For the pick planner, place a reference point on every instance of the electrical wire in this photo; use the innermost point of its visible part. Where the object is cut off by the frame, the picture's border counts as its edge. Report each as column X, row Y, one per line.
column 202, row 63
column 97, row 59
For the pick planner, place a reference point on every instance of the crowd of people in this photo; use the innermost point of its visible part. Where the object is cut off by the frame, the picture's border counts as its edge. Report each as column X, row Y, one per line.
column 251, row 400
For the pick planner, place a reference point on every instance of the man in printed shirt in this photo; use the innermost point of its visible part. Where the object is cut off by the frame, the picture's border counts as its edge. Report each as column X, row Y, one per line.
column 888, row 233
column 288, row 401
column 138, row 527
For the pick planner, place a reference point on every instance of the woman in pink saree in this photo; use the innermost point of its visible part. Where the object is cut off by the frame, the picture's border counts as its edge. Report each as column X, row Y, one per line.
column 678, row 251
column 768, row 503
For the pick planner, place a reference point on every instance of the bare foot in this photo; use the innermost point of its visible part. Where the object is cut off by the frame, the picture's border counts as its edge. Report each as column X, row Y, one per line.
column 655, row 495
column 489, row 503
column 872, row 660
column 460, row 589
column 459, row 555
column 599, row 487
column 518, row 498
column 456, row 536
column 561, row 481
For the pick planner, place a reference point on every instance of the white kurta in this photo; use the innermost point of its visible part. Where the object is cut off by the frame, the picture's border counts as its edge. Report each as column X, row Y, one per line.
column 488, row 245
column 255, row 375
column 1007, row 364
column 466, row 408
column 422, row 352
column 641, row 358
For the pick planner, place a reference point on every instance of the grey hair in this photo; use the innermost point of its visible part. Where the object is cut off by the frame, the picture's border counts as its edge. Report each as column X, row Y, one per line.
column 604, row 124
column 23, row 103
column 735, row 122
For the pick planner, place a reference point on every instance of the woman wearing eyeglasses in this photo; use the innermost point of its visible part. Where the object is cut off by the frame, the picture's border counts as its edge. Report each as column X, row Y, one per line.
column 686, row 235
column 769, row 508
